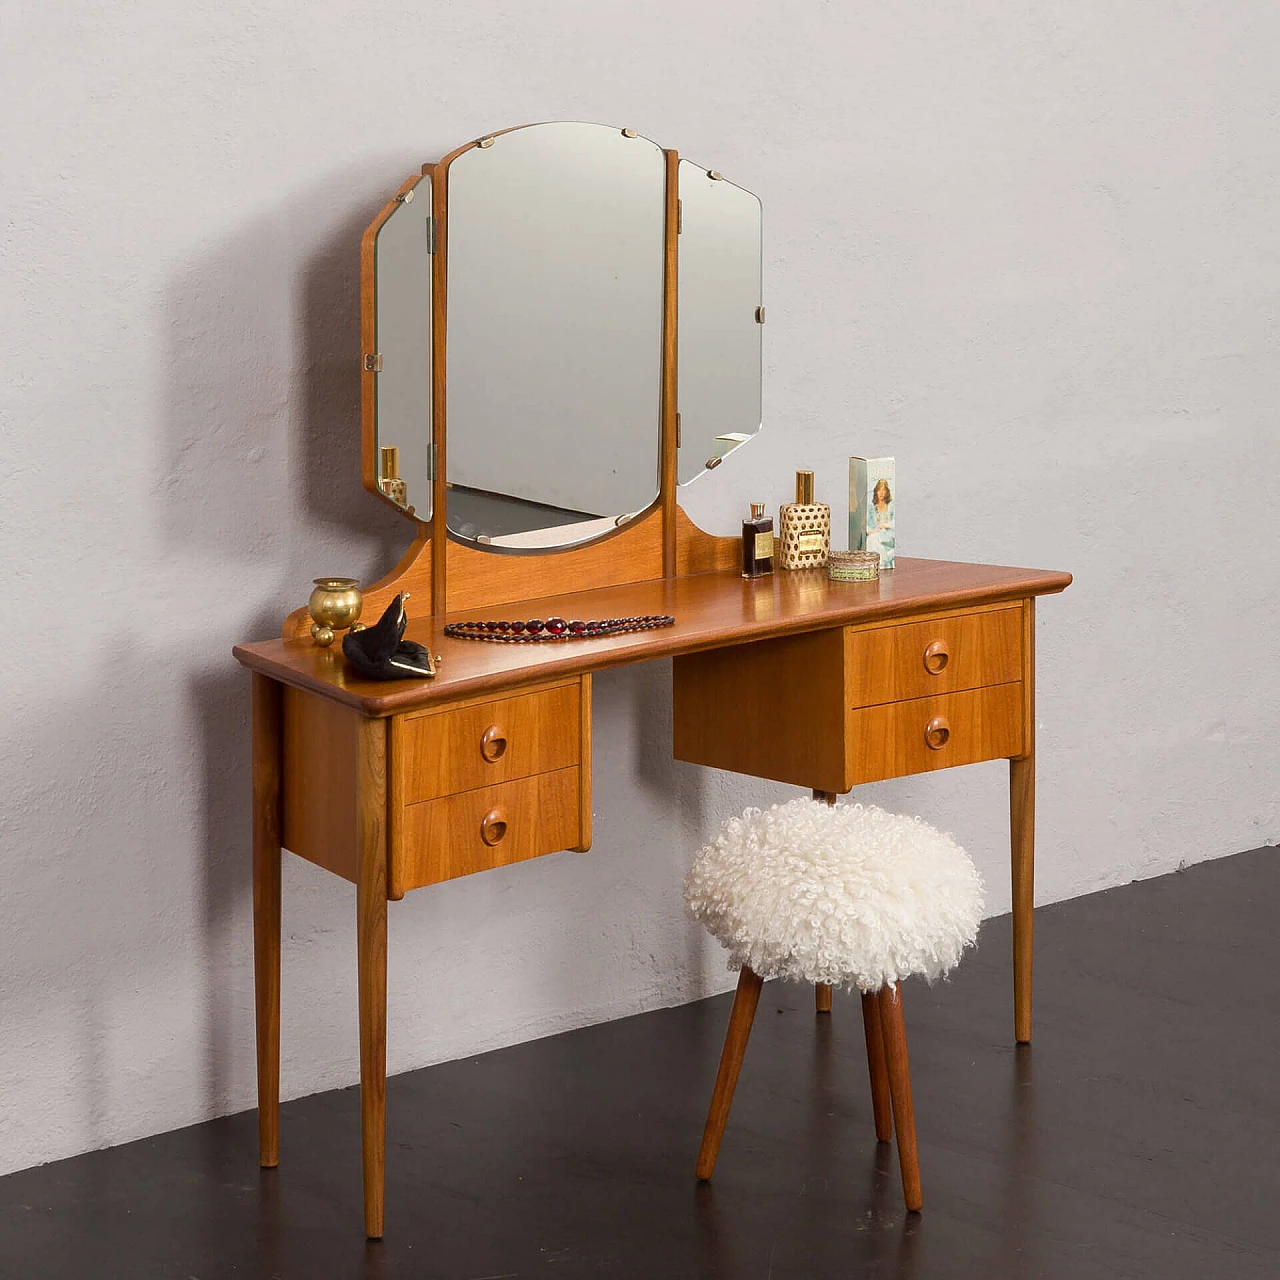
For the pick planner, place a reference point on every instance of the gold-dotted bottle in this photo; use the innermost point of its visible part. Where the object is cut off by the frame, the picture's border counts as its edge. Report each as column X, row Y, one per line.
column 805, row 528
column 392, row 485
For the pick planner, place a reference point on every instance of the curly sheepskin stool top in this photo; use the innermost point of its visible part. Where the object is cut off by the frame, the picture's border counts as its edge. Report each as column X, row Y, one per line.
column 839, row 896
column 846, row 895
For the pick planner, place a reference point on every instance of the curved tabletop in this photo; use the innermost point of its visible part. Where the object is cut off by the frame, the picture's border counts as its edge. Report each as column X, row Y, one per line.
column 711, row 610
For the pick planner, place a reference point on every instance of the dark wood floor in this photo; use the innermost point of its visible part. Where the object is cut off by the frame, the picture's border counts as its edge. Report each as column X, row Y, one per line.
column 1140, row 1136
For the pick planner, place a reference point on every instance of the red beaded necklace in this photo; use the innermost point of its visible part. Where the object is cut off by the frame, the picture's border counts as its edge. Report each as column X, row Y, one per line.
column 553, row 629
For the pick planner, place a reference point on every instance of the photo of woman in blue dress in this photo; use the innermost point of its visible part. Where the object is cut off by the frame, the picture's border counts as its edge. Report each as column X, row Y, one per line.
column 880, row 524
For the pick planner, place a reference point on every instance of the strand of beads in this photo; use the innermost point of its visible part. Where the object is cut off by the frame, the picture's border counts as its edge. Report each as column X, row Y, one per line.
column 536, row 630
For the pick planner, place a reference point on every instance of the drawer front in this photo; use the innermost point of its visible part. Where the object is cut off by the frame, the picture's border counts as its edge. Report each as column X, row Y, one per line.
column 444, row 752
column 488, row 827
column 919, row 659
column 901, row 738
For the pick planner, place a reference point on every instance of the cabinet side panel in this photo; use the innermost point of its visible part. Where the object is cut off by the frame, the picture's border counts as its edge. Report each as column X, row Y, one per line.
column 584, row 779
column 774, row 709
column 1028, row 678
column 321, row 754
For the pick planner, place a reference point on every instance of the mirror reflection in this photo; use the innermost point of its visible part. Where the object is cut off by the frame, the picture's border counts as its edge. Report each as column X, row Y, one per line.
column 720, row 317
column 554, row 340
column 403, row 324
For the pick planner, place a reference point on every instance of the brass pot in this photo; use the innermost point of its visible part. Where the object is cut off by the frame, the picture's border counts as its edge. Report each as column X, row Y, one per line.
column 335, row 603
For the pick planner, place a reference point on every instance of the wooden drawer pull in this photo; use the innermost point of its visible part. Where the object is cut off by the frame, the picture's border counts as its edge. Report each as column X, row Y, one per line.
column 937, row 733
column 493, row 826
column 493, row 743
column 936, row 657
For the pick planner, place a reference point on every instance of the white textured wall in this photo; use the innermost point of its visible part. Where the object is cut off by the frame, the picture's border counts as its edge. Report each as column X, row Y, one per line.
column 1029, row 249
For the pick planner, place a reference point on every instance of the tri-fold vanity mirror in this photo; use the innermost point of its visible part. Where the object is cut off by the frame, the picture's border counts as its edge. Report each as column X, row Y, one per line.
column 562, row 327
column 561, row 332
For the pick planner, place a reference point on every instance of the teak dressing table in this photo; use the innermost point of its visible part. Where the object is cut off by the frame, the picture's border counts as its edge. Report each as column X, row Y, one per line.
column 826, row 685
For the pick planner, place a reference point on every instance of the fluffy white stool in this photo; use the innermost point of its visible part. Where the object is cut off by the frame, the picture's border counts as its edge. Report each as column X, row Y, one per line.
column 840, row 896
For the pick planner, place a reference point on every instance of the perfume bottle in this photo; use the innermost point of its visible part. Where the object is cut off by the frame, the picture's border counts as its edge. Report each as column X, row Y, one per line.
column 757, row 543
column 805, row 528
column 392, row 485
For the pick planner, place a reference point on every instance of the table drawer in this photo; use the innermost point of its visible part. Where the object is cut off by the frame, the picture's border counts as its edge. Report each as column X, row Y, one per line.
column 920, row 659
column 896, row 739
column 443, row 752
column 487, row 827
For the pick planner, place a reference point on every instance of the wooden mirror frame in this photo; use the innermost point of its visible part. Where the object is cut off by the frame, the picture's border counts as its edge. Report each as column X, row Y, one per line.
column 660, row 542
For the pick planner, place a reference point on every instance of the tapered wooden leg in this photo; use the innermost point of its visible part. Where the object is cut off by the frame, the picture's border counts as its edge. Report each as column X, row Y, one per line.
column 876, row 1066
column 1022, row 829
column 822, row 990
column 1022, row 832
column 735, row 1046
column 371, row 945
column 267, row 713
column 894, row 1030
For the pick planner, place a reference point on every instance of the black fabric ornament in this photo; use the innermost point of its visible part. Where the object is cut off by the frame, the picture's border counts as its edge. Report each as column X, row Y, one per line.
column 380, row 652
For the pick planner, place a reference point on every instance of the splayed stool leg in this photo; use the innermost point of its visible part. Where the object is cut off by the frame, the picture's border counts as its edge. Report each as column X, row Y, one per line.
column 894, row 1030
column 877, row 1068
column 735, row 1047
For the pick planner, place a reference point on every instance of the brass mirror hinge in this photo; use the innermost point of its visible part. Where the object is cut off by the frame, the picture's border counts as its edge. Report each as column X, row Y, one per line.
column 431, row 461
column 431, row 235
column 759, row 315
column 372, row 363
column 677, row 430
column 679, row 216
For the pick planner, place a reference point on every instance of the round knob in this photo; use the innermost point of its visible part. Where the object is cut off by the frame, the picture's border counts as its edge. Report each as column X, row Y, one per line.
column 937, row 733
column 493, row 826
column 493, row 743
column 936, row 657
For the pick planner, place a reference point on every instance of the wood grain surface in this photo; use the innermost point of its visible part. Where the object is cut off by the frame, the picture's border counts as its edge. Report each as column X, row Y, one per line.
column 371, row 962
column 877, row 1067
column 479, row 579
column 711, row 610
column 267, row 770
column 437, row 753
column 1022, row 833
column 960, row 651
column 321, row 751
column 731, row 1056
column 889, row 740
column 444, row 838
column 701, row 552
column 773, row 709
column 894, row 1031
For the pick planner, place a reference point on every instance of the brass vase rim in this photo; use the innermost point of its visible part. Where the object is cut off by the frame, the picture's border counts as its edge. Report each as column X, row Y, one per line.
column 336, row 584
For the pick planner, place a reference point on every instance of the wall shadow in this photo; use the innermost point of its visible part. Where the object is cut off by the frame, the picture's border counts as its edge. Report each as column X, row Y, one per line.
column 259, row 485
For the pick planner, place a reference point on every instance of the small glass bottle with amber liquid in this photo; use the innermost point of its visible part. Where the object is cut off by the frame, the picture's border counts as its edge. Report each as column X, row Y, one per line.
column 757, row 543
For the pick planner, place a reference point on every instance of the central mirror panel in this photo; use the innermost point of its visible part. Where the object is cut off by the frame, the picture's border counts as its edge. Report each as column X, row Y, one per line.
column 554, row 338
